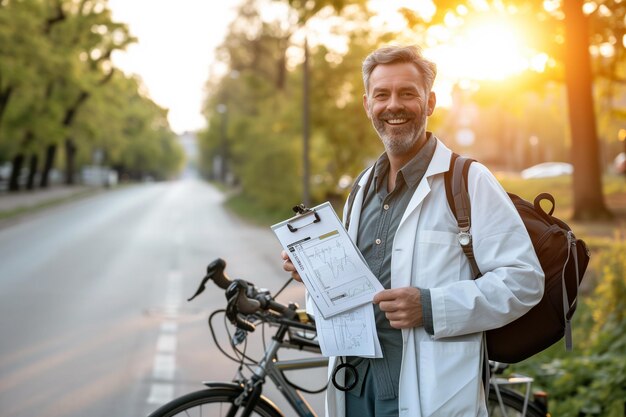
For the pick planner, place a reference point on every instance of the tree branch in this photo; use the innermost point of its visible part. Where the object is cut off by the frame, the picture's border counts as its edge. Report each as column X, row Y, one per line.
column 58, row 17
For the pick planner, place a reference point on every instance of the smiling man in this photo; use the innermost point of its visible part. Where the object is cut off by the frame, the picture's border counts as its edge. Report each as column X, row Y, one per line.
column 432, row 315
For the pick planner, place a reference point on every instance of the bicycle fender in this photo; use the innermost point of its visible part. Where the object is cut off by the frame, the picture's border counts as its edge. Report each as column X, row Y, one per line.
column 237, row 388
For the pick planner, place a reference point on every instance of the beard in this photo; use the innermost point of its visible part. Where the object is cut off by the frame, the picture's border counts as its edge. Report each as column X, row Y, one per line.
column 400, row 139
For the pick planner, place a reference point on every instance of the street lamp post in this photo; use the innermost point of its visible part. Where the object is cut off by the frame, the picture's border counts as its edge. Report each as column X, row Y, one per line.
column 223, row 110
column 306, row 199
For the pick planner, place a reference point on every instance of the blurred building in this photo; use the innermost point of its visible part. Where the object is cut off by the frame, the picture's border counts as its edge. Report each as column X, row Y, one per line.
column 189, row 143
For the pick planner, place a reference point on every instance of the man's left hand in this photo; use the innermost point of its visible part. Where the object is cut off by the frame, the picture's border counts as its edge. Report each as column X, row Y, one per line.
column 402, row 307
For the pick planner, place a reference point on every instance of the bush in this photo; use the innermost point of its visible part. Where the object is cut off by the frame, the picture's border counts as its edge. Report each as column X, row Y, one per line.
column 592, row 379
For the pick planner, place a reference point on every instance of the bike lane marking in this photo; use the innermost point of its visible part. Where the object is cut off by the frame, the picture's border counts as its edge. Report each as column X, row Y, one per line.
column 164, row 365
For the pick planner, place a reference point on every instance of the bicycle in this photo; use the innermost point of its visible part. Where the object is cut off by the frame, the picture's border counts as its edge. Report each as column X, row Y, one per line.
column 248, row 306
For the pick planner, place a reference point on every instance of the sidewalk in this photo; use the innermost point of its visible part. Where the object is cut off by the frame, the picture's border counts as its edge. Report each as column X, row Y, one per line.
column 25, row 199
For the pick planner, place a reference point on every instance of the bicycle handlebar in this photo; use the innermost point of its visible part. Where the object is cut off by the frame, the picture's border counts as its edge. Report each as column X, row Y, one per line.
column 214, row 271
column 243, row 297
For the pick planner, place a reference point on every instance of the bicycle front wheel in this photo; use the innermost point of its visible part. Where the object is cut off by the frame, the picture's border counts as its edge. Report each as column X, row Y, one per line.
column 512, row 405
column 212, row 402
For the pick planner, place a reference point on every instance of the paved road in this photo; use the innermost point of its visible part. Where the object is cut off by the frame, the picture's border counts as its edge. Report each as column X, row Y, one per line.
column 93, row 316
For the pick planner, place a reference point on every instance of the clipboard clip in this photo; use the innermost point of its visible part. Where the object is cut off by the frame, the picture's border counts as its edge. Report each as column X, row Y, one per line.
column 301, row 211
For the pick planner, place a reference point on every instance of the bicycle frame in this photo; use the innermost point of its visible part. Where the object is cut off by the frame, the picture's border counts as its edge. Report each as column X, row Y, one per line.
column 245, row 304
column 495, row 384
column 268, row 366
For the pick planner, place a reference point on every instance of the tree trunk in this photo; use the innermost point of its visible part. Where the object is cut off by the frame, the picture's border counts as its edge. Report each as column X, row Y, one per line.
column 16, row 170
column 5, row 95
column 70, row 160
column 587, row 180
column 51, row 151
column 32, row 171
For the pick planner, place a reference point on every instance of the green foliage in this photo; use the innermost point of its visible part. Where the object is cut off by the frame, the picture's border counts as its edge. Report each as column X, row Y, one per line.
column 592, row 378
column 261, row 129
column 58, row 85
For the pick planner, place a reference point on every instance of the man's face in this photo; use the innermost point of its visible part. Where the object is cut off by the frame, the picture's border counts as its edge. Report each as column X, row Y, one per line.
column 398, row 104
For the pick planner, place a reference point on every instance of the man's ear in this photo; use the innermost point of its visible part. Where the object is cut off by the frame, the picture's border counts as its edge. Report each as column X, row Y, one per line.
column 432, row 102
column 366, row 106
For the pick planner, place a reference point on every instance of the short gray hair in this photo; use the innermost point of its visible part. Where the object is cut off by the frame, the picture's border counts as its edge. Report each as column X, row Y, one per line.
column 400, row 54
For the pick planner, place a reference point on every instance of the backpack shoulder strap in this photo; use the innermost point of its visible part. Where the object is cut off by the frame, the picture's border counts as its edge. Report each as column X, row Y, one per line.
column 455, row 180
column 355, row 190
column 458, row 200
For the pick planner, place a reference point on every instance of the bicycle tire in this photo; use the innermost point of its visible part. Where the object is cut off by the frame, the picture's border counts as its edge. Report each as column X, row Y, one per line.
column 213, row 402
column 513, row 405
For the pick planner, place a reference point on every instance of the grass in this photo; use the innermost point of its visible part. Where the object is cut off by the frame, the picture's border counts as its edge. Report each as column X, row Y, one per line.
column 596, row 233
column 253, row 213
column 20, row 211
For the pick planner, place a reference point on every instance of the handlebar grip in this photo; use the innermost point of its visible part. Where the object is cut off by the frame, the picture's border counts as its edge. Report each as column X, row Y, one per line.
column 215, row 271
column 239, row 304
column 247, row 305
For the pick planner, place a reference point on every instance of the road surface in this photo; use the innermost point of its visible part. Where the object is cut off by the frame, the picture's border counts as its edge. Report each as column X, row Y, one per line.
column 93, row 313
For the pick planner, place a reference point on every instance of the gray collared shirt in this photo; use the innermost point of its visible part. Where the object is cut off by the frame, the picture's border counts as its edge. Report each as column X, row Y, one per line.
column 380, row 216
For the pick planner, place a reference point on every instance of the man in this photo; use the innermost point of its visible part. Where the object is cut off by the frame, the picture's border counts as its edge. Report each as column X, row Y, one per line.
column 431, row 316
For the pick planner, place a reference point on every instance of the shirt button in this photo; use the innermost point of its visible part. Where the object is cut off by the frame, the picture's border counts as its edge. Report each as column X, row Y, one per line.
column 386, row 207
column 378, row 241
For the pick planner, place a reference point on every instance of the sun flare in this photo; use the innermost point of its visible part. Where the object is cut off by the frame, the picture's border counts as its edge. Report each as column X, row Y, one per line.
column 486, row 50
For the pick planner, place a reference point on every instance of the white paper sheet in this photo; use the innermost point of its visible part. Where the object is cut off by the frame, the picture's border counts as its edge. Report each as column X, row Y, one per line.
column 352, row 333
column 333, row 270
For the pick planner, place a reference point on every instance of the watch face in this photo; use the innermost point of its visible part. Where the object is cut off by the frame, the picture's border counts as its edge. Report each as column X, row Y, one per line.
column 464, row 238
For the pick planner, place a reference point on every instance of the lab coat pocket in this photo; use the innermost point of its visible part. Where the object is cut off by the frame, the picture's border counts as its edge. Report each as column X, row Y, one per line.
column 449, row 378
column 437, row 258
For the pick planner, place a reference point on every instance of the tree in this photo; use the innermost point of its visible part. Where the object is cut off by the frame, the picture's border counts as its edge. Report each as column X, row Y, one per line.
column 565, row 36
column 588, row 198
column 58, row 88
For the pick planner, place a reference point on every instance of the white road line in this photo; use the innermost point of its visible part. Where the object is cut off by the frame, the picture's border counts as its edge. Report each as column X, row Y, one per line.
column 160, row 393
column 174, row 275
column 167, row 343
column 169, row 327
column 164, row 367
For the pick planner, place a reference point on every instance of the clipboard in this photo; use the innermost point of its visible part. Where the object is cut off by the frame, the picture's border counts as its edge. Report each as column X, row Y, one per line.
column 332, row 268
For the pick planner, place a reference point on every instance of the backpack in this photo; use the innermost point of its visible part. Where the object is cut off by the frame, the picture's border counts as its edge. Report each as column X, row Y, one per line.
column 563, row 259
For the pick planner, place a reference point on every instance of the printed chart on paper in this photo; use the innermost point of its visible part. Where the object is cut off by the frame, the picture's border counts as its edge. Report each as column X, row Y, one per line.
column 332, row 268
column 333, row 272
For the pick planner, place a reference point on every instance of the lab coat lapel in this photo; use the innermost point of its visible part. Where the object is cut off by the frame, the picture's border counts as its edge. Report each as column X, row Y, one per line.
column 353, row 228
column 438, row 164
column 404, row 241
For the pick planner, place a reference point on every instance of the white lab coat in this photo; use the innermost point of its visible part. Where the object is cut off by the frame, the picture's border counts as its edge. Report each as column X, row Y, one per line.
column 441, row 374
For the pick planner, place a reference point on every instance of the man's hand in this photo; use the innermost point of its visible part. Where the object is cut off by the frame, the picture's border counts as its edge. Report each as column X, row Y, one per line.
column 288, row 266
column 402, row 307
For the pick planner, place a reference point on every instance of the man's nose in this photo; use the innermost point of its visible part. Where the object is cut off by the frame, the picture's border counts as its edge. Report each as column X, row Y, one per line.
column 395, row 103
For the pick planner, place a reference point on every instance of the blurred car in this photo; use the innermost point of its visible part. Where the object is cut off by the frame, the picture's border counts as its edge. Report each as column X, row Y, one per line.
column 619, row 163
column 547, row 169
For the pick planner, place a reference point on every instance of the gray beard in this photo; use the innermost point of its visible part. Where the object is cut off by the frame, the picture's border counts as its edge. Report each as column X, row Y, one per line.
column 402, row 140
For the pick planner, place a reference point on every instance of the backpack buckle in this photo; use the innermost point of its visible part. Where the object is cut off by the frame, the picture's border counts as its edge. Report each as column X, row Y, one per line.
column 464, row 237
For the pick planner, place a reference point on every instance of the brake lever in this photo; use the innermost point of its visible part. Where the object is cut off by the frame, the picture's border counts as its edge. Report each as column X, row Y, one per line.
column 215, row 271
column 201, row 288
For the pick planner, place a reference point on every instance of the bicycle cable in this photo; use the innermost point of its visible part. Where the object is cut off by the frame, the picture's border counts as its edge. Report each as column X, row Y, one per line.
column 298, row 387
column 242, row 353
column 219, row 347
column 282, row 288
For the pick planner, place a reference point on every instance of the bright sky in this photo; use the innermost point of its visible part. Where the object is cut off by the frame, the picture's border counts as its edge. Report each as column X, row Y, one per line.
column 177, row 40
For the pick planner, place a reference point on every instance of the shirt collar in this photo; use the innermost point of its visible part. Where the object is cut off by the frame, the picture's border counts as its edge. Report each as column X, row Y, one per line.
column 413, row 171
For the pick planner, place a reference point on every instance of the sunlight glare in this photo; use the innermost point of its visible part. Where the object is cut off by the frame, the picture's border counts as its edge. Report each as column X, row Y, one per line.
column 491, row 50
